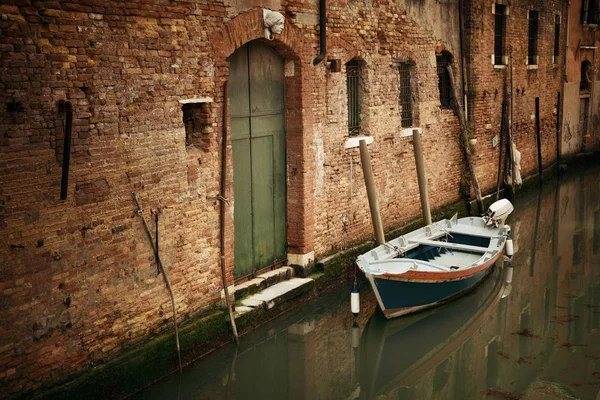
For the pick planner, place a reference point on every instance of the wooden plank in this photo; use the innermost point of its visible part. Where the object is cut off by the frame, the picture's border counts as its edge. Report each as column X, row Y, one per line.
column 454, row 246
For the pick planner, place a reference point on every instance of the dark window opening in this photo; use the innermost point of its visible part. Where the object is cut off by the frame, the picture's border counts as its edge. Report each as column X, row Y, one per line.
column 556, row 38
column 196, row 119
column 353, row 80
column 532, row 53
column 589, row 12
column 406, row 104
column 443, row 61
column 499, row 34
column 586, row 76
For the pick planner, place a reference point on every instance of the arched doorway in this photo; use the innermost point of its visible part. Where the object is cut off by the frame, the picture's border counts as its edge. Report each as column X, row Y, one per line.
column 256, row 90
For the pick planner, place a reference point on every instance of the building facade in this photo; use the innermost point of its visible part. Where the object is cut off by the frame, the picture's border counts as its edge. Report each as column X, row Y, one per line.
column 155, row 89
column 580, row 123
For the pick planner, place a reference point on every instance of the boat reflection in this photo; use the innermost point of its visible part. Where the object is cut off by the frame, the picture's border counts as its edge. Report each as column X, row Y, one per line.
column 396, row 353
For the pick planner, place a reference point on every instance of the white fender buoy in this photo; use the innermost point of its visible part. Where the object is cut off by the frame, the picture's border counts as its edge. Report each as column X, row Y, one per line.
column 509, row 273
column 509, row 246
column 355, row 302
column 355, row 335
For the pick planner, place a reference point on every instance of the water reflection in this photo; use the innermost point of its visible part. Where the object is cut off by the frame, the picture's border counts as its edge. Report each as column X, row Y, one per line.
column 532, row 331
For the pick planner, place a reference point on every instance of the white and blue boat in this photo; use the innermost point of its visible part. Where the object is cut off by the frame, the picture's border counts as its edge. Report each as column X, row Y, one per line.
column 436, row 263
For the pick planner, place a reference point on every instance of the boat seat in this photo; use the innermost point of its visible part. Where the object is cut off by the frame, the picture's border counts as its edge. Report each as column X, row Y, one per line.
column 453, row 246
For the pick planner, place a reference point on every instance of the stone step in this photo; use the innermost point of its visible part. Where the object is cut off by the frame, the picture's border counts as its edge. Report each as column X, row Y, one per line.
column 274, row 295
column 263, row 281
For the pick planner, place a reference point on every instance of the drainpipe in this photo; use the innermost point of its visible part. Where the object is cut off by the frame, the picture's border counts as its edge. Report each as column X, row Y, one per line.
column 566, row 75
column 222, row 210
column 65, row 105
column 463, row 70
column 322, row 33
column 592, row 88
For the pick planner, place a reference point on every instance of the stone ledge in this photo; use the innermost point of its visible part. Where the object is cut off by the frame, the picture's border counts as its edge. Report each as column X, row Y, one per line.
column 277, row 294
column 262, row 282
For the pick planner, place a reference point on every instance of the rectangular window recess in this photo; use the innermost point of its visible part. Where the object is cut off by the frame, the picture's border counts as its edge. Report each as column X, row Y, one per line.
column 354, row 141
column 196, row 100
column 408, row 132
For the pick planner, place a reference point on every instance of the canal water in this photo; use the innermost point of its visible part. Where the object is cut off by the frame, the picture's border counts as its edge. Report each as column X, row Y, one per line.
column 531, row 330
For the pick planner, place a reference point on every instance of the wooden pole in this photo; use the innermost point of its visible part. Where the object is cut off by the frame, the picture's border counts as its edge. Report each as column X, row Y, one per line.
column 464, row 128
column 418, row 149
column 513, row 167
column 222, row 210
column 164, row 274
column 500, row 144
column 558, row 127
column 539, row 139
column 371, row 192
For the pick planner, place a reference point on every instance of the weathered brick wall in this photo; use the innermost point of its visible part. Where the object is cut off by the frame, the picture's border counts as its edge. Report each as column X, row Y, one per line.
column 78, row 283
column 486, row 84
column 386, row 35
column 77, row 277
column 581, row 48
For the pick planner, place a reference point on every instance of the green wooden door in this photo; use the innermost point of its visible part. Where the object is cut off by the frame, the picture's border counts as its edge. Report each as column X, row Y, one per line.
column 256, row 92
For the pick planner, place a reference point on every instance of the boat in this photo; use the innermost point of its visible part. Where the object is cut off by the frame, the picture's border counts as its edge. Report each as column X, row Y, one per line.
column 436, row 263
column 396, row 353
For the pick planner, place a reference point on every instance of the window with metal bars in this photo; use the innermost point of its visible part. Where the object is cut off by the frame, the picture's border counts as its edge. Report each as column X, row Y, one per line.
column 556, row 38
column 353, row 80
column 443, row 60
column 532, row 52
column 499, row 33
column 406, row 104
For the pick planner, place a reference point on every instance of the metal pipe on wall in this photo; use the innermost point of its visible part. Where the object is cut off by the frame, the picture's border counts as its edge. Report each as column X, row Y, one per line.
column 566, row 74
column 222, row 183
column 463, row 57
column 64, row 181
column 322, row 32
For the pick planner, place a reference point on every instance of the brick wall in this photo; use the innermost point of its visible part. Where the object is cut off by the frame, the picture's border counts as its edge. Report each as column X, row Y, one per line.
column 486, row 83
column 78, row 283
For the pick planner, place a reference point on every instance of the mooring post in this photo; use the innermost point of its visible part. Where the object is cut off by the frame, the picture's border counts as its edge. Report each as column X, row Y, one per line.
column 539, row 139
column 421, row 177
column 365, row 160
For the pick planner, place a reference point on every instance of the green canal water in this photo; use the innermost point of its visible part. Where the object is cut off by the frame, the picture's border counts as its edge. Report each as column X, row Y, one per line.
column 531, row 330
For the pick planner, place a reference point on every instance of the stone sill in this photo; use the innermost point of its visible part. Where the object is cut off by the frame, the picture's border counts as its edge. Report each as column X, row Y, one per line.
column 532, row 66
column 196, row 100
column 408, row 132
column 353, row 141
column 499, row 66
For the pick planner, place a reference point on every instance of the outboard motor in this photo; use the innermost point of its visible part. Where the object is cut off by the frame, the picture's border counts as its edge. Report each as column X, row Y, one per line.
column 498, row 212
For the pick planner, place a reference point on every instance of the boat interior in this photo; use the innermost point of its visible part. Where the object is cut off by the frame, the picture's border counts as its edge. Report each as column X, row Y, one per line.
column 437, row 248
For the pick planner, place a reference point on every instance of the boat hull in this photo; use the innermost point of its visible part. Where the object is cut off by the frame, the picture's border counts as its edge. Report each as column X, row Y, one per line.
column 405, row 294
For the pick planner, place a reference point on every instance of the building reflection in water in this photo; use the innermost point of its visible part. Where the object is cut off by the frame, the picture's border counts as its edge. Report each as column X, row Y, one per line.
column 531, row 330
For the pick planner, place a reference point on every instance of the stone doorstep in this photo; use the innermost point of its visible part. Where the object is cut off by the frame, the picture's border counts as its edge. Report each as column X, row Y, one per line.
column 274, row 295
column 263, row 281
